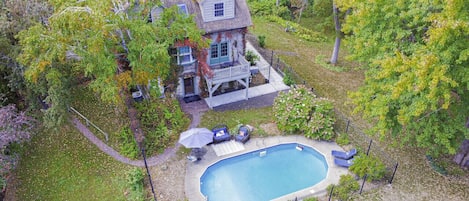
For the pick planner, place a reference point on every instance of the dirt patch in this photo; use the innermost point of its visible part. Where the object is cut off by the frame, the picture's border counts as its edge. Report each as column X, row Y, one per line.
column 168, row 179
column 270, row 129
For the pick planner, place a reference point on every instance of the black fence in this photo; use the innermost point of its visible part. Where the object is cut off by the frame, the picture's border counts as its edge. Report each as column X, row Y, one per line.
column 343, row 124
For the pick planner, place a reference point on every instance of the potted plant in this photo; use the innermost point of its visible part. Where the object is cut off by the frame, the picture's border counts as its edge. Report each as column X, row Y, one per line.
column 252, row 57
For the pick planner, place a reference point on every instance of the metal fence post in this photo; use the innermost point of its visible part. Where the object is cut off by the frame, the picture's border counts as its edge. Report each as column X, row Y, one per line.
column 148, row 171
column 348, row 124
column 369, row 147
column 394, row 173
column 363, row 183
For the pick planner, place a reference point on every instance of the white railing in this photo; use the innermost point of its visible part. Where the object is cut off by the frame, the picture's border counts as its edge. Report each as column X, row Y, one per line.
column 232, row 73
column 88, row 123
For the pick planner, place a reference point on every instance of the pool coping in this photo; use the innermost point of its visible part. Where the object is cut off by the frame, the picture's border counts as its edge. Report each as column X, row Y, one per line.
column 194, row 170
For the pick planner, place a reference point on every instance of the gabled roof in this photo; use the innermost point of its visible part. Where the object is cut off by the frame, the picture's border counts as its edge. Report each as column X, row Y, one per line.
column 242, row 16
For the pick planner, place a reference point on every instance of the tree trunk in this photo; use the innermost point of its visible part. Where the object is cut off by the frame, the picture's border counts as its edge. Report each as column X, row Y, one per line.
column 462, row 157
column 338, row 35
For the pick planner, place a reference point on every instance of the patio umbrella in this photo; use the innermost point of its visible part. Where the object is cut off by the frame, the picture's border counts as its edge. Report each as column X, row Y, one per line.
column 196, row 137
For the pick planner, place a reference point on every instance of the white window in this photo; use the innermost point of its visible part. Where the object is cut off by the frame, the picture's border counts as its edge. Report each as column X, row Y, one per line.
column 219, row 11
column 184, row 55
column 183, row 9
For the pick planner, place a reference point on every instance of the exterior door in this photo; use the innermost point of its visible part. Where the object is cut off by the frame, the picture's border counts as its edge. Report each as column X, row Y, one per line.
column 189, row 86
column 219, row 53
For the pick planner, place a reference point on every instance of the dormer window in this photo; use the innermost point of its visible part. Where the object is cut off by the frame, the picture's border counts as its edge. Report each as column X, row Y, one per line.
column 219, row 10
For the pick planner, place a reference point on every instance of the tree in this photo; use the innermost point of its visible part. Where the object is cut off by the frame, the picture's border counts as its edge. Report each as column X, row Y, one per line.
column 417, row 79
column 338, row 35
column 16, row 15
column 15, row 127
column 109, row 42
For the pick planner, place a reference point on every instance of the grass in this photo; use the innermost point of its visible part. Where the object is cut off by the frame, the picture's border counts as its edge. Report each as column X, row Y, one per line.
column 327, row 83
column 64, row 165
column 253, row 117
column 108, row 117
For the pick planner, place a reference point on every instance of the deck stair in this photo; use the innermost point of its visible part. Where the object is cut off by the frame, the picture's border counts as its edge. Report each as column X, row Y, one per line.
column 227, row 147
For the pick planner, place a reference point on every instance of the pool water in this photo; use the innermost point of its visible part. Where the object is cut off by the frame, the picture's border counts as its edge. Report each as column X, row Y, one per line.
column 264, row 174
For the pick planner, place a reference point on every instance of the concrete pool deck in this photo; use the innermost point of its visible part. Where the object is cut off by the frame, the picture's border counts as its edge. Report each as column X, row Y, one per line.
column 195, row 169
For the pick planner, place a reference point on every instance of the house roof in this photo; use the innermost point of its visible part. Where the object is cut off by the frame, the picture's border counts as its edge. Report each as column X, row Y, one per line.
column 241, row 19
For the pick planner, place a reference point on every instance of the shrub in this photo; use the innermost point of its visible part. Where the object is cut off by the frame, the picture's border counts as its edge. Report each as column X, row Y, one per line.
column 261, row 40
column 129, row 146
column 311, row 199
column 300, row 31
column 252, row 57
column 267, row 7
column 300, row 110
column 288, row 79
column 347, row 185
column 342, row 139
column 370, row 166
column 161, row 121
column 135, row 184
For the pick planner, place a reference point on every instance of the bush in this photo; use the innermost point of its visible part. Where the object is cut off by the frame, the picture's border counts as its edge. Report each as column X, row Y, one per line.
column 347, row 185
column 370, row 166
column 288, row 79
column 300, row 31
column 342, row 139
column 261, row 40
column 129, row 146
column 311, row 199
column 299, row 110
column 252, row 57
column 161, row 121
column 135, row 184
column 267, row 7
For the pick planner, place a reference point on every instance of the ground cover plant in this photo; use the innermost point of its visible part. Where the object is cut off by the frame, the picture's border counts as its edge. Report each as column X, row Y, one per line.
column 65, row 165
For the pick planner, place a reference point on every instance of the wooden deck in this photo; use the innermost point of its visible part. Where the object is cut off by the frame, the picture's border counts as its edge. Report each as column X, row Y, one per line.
column 227, row 147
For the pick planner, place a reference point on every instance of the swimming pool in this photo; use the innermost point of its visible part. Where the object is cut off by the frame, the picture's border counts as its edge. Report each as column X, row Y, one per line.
column 264, row 174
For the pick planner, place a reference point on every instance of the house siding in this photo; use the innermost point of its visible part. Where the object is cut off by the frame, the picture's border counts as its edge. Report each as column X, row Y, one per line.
column 208, row 10
column 235, row 43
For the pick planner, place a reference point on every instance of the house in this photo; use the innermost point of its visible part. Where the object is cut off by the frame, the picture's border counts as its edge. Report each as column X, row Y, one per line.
column 225, row 23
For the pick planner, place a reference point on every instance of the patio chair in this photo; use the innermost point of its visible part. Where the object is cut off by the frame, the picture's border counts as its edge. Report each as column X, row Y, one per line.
column 343, row 163
column 244, row 134
column 344, row 155
column 220, row 133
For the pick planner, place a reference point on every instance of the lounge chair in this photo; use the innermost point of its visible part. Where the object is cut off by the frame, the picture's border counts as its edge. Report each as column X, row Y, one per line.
column 344, row 155
column 220, row 133
column 244, row 134
column 343, row 163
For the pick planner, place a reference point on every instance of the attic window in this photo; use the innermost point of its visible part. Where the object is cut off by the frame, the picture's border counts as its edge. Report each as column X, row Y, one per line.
column 183, row 9
column 218, row 8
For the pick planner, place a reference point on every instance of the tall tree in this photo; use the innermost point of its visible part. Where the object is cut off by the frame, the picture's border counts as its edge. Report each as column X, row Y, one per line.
column 16, row 15
column 15, row 127
column 110, row 42
column 338, row 35
column 417, row 80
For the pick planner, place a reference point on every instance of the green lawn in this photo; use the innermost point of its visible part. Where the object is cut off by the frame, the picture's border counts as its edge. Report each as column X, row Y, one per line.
column 64, row 165
column 331, row 84
column 254, row 117
column 108, row 117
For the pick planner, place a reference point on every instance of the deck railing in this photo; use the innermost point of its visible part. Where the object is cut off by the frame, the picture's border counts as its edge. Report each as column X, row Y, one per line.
column 231, row 73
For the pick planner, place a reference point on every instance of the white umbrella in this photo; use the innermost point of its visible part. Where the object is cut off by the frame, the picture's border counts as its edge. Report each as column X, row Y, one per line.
column 196, row 137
